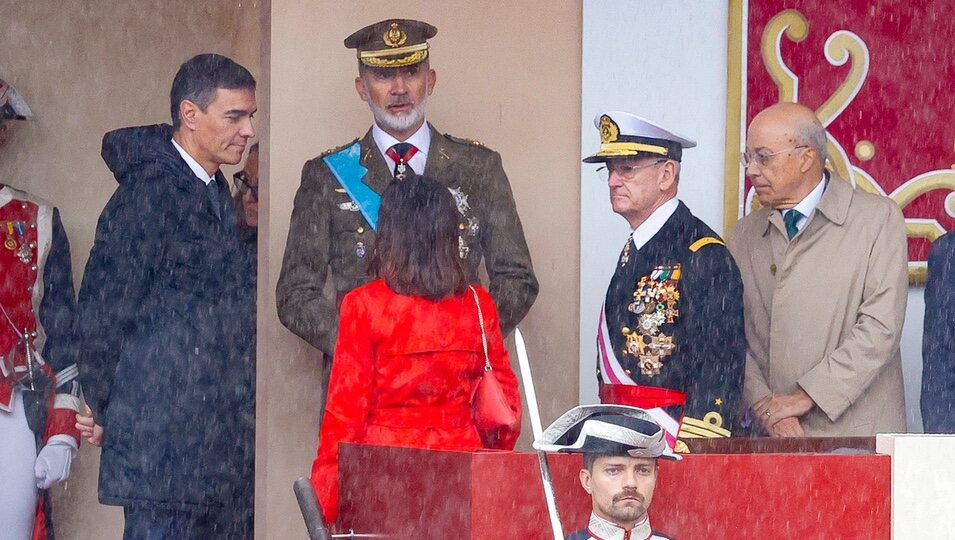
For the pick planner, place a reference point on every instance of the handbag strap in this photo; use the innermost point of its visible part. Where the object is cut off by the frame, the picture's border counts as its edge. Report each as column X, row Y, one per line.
column 487, row 360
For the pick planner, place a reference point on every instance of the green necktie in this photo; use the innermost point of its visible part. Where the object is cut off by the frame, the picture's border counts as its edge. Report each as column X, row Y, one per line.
column 790, row 219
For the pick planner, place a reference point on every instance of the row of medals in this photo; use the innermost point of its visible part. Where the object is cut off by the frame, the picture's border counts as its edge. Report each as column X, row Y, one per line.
column 16, row 241
column 654, row 303
column 471, row 228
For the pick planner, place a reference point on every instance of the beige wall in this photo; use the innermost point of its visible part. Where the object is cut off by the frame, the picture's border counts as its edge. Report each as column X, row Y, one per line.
column 509, row 76
column 86, row 67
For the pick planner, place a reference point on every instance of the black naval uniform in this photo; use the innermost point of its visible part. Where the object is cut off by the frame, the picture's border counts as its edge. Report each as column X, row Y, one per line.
column 708, row 360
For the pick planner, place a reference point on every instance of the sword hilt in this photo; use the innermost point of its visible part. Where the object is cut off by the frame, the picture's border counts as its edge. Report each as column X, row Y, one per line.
column 311, row 512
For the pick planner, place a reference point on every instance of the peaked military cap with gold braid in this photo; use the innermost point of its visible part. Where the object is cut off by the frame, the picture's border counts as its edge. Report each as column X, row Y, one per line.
column 392, row 43
column 626, row 135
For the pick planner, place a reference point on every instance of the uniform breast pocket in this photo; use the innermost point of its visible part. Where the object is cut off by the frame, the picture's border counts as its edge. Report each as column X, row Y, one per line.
column 352, row 240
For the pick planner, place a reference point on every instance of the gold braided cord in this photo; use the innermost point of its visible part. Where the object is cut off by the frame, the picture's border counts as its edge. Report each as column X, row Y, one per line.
column 393, row 52
column 620, row 149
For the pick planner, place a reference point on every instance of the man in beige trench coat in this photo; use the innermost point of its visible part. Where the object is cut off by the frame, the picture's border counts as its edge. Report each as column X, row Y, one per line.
column 824, row 270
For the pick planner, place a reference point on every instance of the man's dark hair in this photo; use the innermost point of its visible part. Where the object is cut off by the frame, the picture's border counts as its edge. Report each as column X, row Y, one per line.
column 416, row 250
column 199, row 77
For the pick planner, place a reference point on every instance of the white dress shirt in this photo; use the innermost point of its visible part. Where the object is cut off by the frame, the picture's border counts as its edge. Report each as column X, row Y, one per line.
column 649, row 228
column 193, row 164
column 421, row 139
column 809, row 203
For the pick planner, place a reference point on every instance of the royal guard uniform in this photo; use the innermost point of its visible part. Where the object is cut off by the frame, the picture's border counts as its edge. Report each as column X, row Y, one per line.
column 38, row 391
column 670, row 335
column 609, row 430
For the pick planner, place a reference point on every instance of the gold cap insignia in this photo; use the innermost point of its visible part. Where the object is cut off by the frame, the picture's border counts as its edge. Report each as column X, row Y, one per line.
column 394, row 37
column 609, row 132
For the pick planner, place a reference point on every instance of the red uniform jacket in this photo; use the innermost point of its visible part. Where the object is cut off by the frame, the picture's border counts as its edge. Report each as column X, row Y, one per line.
column 403, row 372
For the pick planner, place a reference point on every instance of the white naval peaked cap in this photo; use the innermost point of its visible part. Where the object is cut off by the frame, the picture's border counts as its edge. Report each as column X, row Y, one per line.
column 616, row 430
column 623, row 134
column 12, row 104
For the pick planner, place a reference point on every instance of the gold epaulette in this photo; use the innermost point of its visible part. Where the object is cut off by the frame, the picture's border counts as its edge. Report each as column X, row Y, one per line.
column 337, row 148
column 710, row 427
column 706, row 240
column 461, row 140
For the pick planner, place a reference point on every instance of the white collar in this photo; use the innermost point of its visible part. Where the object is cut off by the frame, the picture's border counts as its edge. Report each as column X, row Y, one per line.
column 6, row 194
column 649, row 228
column 193, row 164
column 606, row 530
column 811, row 201
column 421, row 139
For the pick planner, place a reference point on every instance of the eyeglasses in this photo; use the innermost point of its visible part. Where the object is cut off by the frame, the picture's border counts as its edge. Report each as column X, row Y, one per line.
column 762, row 158
column 243, row 183
column 627, row 172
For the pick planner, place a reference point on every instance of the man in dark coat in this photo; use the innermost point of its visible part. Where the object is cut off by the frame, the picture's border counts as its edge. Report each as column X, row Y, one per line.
column 332, row 232
column 156, row 329
column 938, row 341
column 671, row 337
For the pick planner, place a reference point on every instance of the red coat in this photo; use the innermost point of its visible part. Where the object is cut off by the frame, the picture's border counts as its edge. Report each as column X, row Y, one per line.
column 402, row 375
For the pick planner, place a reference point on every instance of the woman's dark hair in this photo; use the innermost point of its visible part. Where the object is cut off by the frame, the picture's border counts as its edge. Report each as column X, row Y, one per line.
column 416, row 250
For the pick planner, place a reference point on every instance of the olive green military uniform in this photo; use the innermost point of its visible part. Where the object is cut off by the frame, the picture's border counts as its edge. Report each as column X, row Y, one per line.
column 330, row 241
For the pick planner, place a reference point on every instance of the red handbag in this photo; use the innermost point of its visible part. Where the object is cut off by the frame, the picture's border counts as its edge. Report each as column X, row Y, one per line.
column 489, row 406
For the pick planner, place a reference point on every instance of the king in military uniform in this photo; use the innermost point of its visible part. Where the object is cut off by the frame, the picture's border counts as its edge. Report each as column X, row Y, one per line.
column 670, row 335
column 332, row 232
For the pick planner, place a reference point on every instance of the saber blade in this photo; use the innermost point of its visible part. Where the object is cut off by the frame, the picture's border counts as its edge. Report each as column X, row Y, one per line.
column 538, row 429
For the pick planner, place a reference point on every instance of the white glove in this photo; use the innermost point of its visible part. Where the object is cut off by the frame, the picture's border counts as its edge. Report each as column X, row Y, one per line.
column 53, row 462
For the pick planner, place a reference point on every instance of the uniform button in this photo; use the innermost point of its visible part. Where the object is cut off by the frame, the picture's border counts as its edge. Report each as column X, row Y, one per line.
column 33, row 268
column 23, row 205
column 361, row 230
column 461, row 226
column 627, row 371
column 33, row 225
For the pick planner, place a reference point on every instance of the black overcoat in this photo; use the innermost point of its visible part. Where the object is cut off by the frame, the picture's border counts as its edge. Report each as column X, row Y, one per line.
column 158, row 330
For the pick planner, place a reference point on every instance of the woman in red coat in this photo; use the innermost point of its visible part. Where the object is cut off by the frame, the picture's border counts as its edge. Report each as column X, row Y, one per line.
column 409, row 350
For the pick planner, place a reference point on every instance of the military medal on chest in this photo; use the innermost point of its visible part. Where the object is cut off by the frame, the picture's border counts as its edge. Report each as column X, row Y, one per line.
column 654, row 304
column 16, row 241
column 471, row 228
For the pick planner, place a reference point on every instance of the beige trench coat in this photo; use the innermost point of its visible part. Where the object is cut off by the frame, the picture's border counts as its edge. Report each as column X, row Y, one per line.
column 824, row 310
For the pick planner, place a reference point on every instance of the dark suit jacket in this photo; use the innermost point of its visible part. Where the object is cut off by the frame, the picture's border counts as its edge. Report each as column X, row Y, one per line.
column 938, row 341
column 328, row 242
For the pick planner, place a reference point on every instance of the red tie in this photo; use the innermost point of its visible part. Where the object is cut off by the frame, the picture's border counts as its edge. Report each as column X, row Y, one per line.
column 401, row 153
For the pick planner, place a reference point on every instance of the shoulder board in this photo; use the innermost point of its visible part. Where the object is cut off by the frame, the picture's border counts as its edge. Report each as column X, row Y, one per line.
column 706, row 240
column 337, row 148
column 461, row 140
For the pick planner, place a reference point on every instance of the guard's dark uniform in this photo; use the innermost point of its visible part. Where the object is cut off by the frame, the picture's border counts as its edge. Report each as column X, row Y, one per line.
column 330, row 239
column 696, row 344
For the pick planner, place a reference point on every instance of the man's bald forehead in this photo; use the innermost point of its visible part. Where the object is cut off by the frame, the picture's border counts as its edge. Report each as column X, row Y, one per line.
column 792, row 115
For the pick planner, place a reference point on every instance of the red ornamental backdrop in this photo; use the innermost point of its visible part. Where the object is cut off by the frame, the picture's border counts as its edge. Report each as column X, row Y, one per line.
column 880, row 75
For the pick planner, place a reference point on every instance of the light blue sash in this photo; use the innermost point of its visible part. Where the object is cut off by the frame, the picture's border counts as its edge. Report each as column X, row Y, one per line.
column 345, row 165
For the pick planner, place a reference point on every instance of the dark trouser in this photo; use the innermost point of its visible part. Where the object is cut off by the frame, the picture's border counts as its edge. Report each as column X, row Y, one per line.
column 161, row 524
